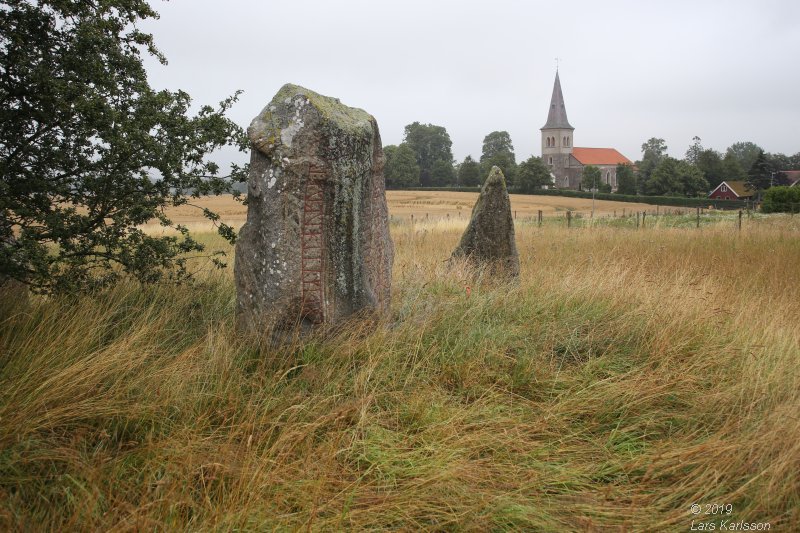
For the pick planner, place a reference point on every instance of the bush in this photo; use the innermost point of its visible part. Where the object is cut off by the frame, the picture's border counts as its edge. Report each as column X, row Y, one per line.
column 781, row 200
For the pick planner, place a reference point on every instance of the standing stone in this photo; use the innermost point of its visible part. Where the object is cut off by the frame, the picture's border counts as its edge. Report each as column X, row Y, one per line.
column 316, row 246
column 489, row 237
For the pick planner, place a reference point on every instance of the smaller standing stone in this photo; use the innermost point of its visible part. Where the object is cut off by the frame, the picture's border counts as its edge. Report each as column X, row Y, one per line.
column 489, row 237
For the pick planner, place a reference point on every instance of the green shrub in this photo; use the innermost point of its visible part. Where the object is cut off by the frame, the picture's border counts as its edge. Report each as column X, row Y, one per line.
column 781, row 200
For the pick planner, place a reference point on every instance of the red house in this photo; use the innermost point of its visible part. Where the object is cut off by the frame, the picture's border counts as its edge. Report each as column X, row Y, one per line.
column 731, row 190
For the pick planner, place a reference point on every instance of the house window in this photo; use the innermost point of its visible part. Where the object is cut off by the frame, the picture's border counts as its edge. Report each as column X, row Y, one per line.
column 608, row 178
column 724, row 188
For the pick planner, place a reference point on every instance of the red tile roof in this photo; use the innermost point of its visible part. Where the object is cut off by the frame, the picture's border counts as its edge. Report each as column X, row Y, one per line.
column 792, row 175
column 599, row 156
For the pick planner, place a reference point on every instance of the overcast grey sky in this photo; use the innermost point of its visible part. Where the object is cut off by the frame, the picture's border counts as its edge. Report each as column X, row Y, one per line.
column 726, row 71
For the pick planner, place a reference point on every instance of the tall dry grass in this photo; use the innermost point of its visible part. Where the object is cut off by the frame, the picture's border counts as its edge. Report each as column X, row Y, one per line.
column 629, row 374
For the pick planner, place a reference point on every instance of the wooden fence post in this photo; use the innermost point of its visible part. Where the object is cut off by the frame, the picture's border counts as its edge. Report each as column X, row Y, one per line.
column 540, row 217
column 569, row 219
column 644, row 214
column 637, row 219
column 740, row 220
column 698, row 217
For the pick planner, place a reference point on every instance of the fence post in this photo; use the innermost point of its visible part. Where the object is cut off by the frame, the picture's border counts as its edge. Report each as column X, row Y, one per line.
column 515, row 214
column 540, row 217
column 644, row 214
column 657, row 210
column 740, row 220
column 623, row 212
column 615, row 213
column 637, row 219
column 569, row 219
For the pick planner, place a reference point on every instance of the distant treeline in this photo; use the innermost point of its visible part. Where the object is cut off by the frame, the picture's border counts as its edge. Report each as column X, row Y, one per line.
column 425, row 159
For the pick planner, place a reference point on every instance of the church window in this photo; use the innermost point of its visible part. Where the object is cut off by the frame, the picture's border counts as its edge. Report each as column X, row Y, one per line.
column 550, row 161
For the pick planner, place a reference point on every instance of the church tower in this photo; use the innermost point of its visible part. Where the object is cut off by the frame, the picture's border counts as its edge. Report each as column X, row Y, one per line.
column 557, row 138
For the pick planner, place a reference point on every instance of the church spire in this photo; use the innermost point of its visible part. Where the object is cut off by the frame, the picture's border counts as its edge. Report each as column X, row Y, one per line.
column 557, row 116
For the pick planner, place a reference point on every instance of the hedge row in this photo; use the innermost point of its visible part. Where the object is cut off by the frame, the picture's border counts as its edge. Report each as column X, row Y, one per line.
column 675, row 201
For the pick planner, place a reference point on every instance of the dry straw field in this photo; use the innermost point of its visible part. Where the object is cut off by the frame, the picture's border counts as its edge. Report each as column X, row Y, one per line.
column 422, row 205
column 629, row 374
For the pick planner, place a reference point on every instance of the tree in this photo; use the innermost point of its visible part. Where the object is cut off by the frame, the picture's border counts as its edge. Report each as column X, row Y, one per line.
column 709, row 162
column 731, row 169
column 431, row 143
column 760, row 176
column 745, row 153
column 401, row 170
column 694, row 151
column 676, row 178
column 533, row 174
column 495, row 143
column 781, row 200
column 592, row 178
column 89, row 151
column 691, row 178
column 665, row 179
column 442, row 174
column 498, row 151
column 653, row 152
column 469, row 172
column 626, row 180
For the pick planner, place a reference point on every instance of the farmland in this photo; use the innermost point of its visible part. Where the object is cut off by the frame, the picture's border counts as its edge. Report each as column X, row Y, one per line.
column 630, row 373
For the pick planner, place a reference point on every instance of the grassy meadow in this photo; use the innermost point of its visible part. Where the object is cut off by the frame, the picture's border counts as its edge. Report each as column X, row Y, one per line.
column 628, row 374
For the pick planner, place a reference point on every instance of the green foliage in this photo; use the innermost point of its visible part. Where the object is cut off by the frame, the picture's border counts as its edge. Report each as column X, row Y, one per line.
column 592, row 178
column 694, row 151
column 709, row 162
column 745, row 153
column 498, row 151
column 676, row 178
column 653, row 152
column 532, row 174
column 495, row 143
column 431, row 144
column 731, row 169
column 781, row 162
column 442, row 173
column 760, row 175
column 781, row 199
column 401, row 170
column 89, row 151
column 469, row 172
column 626, row 180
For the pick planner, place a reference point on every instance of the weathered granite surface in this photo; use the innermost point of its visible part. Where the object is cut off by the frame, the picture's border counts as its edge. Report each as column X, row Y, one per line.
column 489, row 237
column 316, row 246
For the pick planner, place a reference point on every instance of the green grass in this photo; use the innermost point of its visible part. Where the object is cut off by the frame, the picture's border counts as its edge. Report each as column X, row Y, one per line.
column 627, row 375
